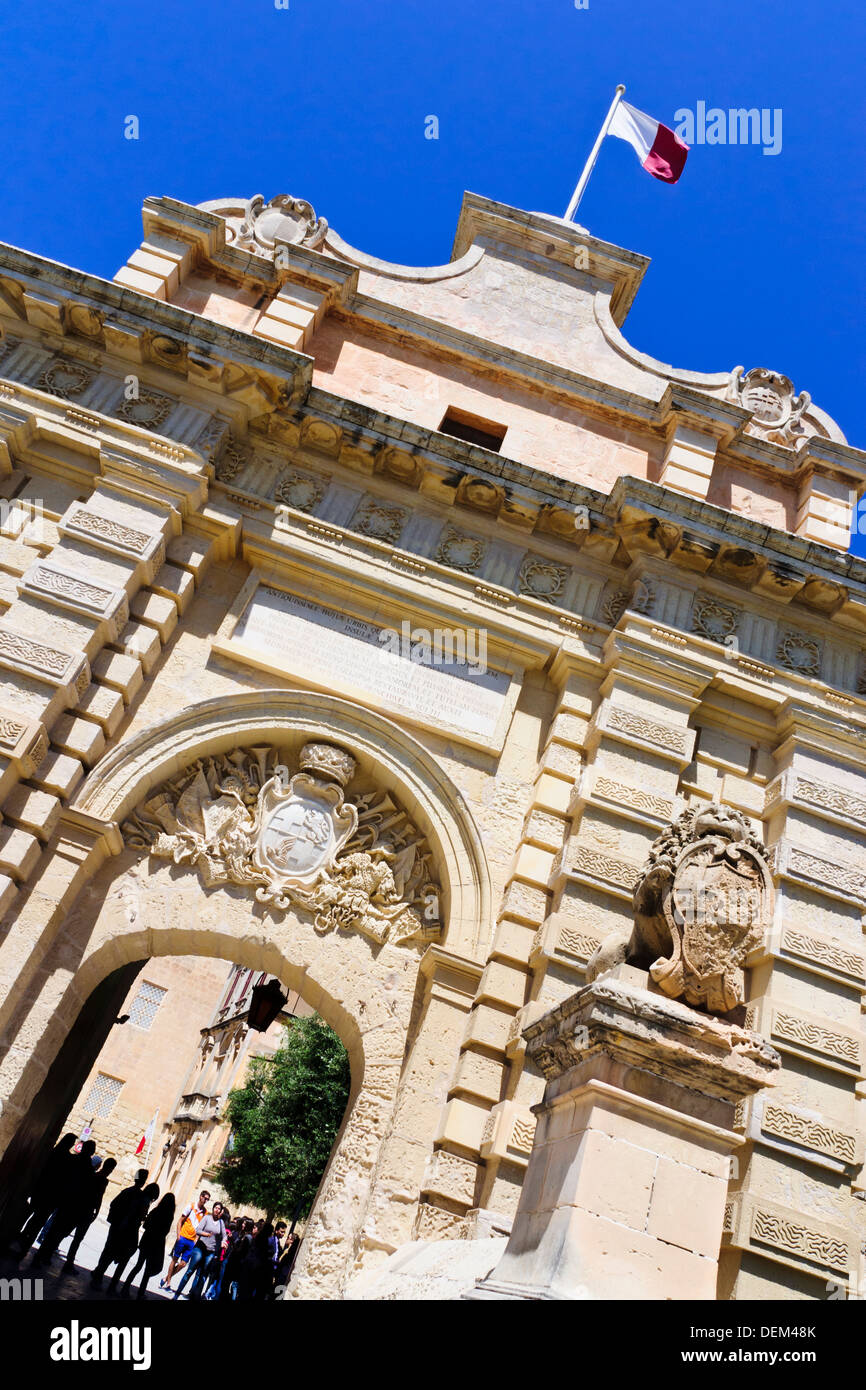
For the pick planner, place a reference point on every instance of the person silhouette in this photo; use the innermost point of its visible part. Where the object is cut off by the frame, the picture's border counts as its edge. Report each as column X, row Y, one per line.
column 101, row 1175
column 72, row 1202
column 124, row 1218
column 49, row 1185
column 151, row 1246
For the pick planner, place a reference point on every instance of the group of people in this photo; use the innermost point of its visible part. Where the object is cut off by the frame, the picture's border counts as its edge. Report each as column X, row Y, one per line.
column 225, row 1258
column 229, row 1258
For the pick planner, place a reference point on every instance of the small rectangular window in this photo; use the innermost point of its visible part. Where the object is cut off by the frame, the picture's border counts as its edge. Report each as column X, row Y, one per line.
column 103, row 1094
column 473, row 429
column 143, row 1009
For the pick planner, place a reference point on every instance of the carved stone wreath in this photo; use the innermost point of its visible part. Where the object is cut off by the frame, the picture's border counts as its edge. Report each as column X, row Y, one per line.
column 542, row 580
column 65, row 379
column 714, row 620
column 299, row 490
column 459, row 550
column 296, row 842
column 799, row 654
column 149, row 409
column 381, row 522
column 232, row 458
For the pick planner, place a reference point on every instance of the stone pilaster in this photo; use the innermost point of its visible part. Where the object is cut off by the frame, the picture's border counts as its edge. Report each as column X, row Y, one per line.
column 796, row 1202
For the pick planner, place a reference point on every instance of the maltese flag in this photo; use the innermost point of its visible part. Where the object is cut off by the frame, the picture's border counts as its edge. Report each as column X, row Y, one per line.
column 145, row 1140
column 661, row 153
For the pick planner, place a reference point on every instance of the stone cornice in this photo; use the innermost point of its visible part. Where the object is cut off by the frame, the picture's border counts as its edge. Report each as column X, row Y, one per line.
column 637, row 497
column 518, row 627
column 86, row 308
column 687, row 397
column 650, row 1031
column 638, row 521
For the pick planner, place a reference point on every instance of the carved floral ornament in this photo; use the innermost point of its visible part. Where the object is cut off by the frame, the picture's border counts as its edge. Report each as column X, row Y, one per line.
column 296, row 841
column 702, row 902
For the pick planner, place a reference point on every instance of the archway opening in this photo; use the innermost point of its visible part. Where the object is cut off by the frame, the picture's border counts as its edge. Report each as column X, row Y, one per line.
column 207, row 1076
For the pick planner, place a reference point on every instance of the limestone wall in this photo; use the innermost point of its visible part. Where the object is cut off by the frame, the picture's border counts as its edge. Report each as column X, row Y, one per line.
column 202, row 545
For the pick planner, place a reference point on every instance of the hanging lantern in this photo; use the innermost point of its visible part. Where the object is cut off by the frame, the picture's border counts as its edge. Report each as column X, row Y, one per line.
column 266, row 1002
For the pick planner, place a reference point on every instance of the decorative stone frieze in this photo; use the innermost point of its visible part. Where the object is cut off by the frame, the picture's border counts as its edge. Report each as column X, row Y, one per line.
column 634, row 798
column 799, row 654
column 804, row 1133
column 810, row 1036
column 303, row 491
column 22, row 741
column 584, row 862
column 460, row 550
column 827, row 954
column 149, row 409
column 103, row 532
column 65, row 379
column 508, row 1133
column 19, row 652
column 754, row 1223
column 713, row 619
column 836, row 801
column 838, row 880
column 632, row 726
column 542, row 580
column 381, row 522
column 69, row 591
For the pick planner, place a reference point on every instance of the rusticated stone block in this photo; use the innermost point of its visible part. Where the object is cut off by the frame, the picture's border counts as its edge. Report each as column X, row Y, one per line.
column 79, row 737
column 451, row 1176
column 122, row 673
column 104, row 705
column 32, row 810
column 19, row 852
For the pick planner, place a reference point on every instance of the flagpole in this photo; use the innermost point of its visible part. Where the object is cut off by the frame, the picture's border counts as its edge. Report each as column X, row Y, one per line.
column 593, row 156
column 150, row 1140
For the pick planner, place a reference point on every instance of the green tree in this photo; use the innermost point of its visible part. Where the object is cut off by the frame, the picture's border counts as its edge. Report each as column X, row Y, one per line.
column 284, row 1121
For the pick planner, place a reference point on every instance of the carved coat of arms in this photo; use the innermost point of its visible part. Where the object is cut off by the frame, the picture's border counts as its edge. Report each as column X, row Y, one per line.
column 300, row 829
column 296, row 841
column 777, row 414
column 702, row 902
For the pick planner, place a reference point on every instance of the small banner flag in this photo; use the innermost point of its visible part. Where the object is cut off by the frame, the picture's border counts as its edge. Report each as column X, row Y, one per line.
column 661, row 153
column 146, row 1138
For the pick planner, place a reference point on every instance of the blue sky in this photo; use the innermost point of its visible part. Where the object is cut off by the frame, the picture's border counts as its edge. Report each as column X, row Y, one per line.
column 757, row 259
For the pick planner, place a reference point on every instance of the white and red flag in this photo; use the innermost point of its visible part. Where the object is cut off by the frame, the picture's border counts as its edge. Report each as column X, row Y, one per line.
column 147, row 1138
column 661, row 153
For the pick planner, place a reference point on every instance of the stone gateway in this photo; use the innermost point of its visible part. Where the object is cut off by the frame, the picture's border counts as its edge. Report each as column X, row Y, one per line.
column 408, row 636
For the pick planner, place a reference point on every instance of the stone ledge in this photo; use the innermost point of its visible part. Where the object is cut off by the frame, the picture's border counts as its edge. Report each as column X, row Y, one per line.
column 661, row 1035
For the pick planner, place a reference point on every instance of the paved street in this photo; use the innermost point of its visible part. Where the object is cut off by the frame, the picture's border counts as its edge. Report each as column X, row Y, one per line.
column 75, row 1285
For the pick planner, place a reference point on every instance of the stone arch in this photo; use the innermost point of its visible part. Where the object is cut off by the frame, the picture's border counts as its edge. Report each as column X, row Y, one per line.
column 128, row 908
column 397, row 761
